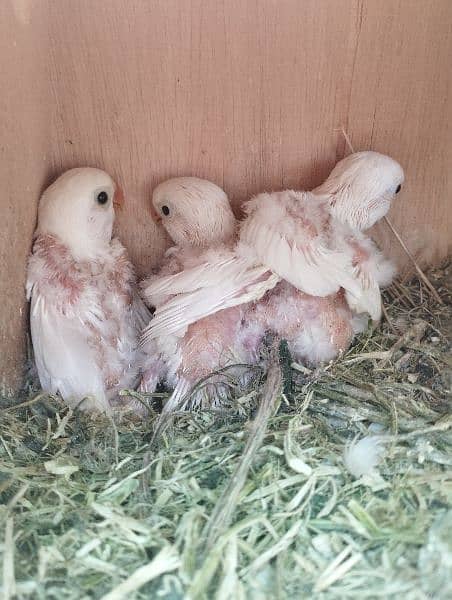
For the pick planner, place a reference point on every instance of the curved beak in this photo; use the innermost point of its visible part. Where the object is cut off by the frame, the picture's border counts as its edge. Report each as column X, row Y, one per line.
column 155, row 215
column 118, row 198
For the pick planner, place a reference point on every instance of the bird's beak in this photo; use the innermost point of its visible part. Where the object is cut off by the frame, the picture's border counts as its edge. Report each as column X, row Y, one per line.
column 155, row 215
column 118, row 198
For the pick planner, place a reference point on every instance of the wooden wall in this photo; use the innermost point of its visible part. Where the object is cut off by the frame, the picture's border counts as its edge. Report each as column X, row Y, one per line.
column 248, row 93
column 24, row 167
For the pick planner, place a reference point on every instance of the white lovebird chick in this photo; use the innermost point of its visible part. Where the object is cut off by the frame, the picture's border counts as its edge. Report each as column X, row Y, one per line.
column 311, row 247
column 360, row 190
column 318, row 328
column 315, row 241
column 197, row 215
column 85, row 314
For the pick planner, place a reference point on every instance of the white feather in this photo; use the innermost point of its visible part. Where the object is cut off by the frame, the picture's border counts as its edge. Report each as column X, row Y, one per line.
column 293, row 245
column 64, row 360
column 363, row 456
column 368, row 299
column 201, row 276
column 239, row 286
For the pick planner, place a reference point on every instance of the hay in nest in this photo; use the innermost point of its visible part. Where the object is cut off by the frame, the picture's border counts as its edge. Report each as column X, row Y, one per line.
column 252, row 502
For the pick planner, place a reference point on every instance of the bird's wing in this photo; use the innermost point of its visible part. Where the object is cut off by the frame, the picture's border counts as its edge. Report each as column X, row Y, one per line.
column 285, row 233
column 207, row 274
column 171, row 264
column 65, row 361
column 371, row 270
column 368, row 299
column 205, row 290
column 140, row 312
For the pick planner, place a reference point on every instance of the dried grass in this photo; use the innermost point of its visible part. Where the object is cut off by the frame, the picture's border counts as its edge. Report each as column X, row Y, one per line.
column 250, row 502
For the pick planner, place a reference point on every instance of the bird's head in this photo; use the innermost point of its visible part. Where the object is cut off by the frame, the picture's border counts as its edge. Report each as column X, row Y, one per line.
column 361, row 188
column 78, row 209
column 194, row 212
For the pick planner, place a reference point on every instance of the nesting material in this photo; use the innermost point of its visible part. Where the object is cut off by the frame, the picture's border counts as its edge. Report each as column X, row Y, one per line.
column 84, row 515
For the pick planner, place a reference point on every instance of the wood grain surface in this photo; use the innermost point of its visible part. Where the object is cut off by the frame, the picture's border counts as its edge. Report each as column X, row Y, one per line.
column 248, row 93
column 24, row 167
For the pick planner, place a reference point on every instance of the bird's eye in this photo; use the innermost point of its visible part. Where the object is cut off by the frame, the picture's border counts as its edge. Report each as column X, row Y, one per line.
column 398, row 188
column 102, row 197
column 165, row 210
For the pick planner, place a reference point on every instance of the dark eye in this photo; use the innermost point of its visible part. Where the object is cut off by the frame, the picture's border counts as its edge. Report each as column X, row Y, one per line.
column 398, row 188
column 102, row 197
column 165, row 210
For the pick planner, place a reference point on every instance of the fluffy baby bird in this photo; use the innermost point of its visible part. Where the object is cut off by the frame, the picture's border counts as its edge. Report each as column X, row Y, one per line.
column 359, row 192
column 311, row 247
column 85, row 314
column 319, row 327
column 315, row 242
column 197, row 215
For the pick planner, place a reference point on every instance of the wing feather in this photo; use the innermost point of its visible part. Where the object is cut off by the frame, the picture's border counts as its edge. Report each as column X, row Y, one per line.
column 189, row 280
column 65, row 361
column 371, row 271
column 243, row 285
column 284, row 232
column 369, row 298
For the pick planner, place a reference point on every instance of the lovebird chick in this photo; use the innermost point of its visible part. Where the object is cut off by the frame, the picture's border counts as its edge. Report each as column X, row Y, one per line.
column 360, row 190
column 86, row 314
column 197, row 216
column 318, row 328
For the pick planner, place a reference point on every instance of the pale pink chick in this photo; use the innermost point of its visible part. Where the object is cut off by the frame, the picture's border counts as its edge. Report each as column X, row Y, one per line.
column 359, row 191
column 315, row 240
column 86, row 314
column 197, row 215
